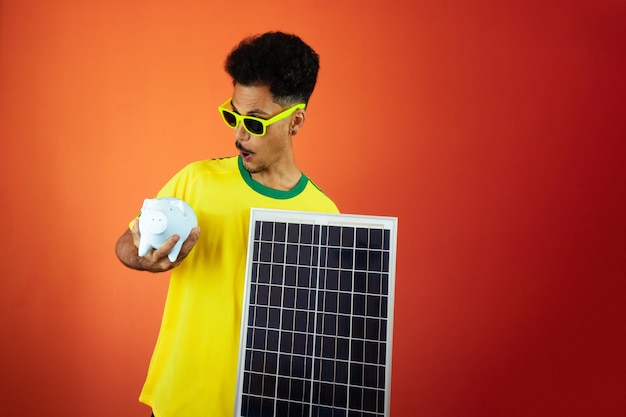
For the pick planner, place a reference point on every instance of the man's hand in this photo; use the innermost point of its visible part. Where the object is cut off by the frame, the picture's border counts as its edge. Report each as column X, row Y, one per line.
column 156, row 260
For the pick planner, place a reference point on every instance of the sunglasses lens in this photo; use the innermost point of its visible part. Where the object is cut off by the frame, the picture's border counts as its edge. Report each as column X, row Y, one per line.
column 230, row 118
column 253, row 126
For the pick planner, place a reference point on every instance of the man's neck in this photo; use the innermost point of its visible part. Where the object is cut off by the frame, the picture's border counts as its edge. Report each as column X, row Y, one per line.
column 283, row 180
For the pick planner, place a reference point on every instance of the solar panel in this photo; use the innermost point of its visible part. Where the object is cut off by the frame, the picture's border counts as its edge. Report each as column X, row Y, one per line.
column 317, row 316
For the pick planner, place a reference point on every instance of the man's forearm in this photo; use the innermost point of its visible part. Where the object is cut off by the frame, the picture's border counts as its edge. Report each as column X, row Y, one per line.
column 126, row 251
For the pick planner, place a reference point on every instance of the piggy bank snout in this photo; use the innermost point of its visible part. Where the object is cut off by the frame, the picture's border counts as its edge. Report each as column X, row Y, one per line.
column 156, row 222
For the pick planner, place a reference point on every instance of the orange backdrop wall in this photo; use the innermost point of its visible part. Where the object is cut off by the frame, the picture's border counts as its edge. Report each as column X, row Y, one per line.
column 493, row 130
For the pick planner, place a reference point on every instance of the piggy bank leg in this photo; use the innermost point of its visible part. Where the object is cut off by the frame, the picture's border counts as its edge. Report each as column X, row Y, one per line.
column 144, row 247
column 173, row 255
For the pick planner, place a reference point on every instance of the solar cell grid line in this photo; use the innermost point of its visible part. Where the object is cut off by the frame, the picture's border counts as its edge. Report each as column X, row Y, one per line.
column 317, row 316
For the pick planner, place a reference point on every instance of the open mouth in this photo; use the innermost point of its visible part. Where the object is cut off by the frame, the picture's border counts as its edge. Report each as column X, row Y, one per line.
column 245, row 154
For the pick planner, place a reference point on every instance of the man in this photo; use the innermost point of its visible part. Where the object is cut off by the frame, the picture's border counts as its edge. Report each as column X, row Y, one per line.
column 193, row 368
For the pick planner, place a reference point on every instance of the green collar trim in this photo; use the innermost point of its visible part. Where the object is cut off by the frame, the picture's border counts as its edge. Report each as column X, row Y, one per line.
column 271, row 192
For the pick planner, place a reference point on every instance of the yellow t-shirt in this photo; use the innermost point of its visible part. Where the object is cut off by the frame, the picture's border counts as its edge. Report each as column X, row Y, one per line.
column 193, row 369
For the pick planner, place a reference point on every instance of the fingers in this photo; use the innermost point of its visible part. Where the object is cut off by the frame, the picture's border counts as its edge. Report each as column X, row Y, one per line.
column 187, row 245
column 135, row 232
column 190, row 241
column 157, row 259
column 166, row 247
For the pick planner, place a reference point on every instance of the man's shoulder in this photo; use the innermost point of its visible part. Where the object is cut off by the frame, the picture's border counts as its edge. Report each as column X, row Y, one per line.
column 214, row 165
column 320, row 201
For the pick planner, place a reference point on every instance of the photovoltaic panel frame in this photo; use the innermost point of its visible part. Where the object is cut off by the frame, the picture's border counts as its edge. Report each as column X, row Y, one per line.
column 317, row 319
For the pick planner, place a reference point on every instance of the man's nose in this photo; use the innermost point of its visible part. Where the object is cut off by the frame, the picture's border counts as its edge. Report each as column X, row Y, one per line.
column 241, row 134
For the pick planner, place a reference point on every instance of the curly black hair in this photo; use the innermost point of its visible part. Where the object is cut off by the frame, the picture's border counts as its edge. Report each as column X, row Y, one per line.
column 279, row 60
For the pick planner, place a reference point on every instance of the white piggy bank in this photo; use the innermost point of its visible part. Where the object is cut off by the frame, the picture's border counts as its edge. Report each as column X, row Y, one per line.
column 160, row 219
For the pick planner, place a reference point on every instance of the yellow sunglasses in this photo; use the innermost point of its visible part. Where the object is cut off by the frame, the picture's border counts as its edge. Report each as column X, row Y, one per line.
column 254, row 125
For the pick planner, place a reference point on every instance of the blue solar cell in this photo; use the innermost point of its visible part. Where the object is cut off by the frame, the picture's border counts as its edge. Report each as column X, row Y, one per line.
column 280, row 232
column 360, row 282
column 372, row 307
column 345, row 305
column 347, row 258
column 276, row 296
column 273, row 318
column 358, row 304
column 334, row 236
column 362, row 237
column 306, row 234
column 291, row 273
column 267, row 231
column 265, row 252
column 375, row 239
column 291, row 255
column 371, row 352
column 305, row 256
column 343, row 326
column 278, row 253
column 360, row 259
column 263, row 273
column 372, row 329
column 358, row 327
column 332, row 257
column 329, row 301
column 346, row 279
column 260, row 317
column 272, row 340
column 330, row 279
column 262, row 294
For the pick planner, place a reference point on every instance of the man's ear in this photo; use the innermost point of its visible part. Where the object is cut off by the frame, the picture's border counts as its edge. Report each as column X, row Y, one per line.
column 297, row 121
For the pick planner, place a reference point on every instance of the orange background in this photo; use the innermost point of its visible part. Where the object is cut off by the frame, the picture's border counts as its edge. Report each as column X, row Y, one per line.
column 493, row 130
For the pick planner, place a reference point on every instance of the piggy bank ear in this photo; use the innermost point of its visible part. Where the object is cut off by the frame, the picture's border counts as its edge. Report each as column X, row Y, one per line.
column 179, row 205
column 147, row 203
